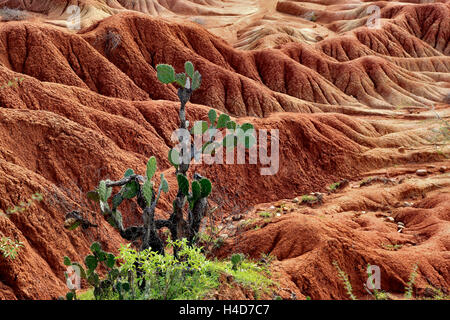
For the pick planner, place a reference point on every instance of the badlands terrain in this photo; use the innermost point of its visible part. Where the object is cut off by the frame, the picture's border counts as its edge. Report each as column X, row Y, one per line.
column 353, row 104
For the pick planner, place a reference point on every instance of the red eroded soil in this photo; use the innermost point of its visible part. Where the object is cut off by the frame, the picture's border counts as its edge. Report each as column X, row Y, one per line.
column 350, row 102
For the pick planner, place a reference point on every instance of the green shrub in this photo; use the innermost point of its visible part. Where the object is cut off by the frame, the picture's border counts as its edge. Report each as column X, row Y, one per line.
column 188, row 276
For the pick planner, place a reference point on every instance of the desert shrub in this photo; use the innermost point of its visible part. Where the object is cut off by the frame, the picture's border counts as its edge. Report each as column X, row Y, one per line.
column 9, row 248
column 9, row 14
column 188, row 276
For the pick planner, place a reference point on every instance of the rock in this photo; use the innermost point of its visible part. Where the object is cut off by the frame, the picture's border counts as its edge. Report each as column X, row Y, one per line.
column 421, row 172
column 401, row 149
column 237, row 217
column 295, row 200
column 390, row 219
column 408, row 204
column 443, row 169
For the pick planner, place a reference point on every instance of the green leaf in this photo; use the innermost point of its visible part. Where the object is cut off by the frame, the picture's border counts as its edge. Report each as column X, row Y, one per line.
column 164, row 184
column 206, row 187
column 130, row 190
column 196, row 190
column 199, row 127
column 183, row 184
column 75, row 225
column 101, row 256
column 117, row 217
column 174, row 157
column 151, row 167
column 189, row 68
column 102, row 191
column 67, row 261
column 91, row 262
column 128, row 173
column 108, row 193
column 196, row 80
column 212, row 115
column 116, row 201
column 94, row 279
column 147, row 191
column 96, row 247
column 223, row 120
column 247, row 126
column 166, row 73
column 180, row 78
column 70, row 295
column 110, row 260
column 125, row 286
column 231, row 125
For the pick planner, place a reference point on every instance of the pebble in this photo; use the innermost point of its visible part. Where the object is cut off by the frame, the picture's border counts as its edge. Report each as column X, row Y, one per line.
column 421, row 172
column 443, row 169
column 408, row 204
column 295, row 200
column 278, row 214
column 390, row 219
column 272, row 207
column 401, row 150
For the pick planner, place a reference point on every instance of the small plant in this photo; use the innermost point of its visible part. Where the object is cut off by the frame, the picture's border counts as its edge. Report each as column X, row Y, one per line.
column 12, row 83
column 410, row 284
column 265, row 214
column 345, row 280
column 308, row 199
column 333, row 187
column 236, row 260
column 23, row 205
column 10, row 248
column 112, row 284
column 393, row 247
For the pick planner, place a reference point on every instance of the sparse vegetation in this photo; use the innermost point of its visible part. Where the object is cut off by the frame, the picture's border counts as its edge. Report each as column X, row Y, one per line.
column 410, row 284
column 146, row 274
column 265, row 214
column 191, row 201
column 308, row 199
column 392, row 247
column 12, row 83
column 345, row 280
column 22, row 205
column 9, row 248
column 333, row 187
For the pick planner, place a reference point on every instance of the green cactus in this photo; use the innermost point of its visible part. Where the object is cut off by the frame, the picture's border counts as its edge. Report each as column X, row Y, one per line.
column 183, row 184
